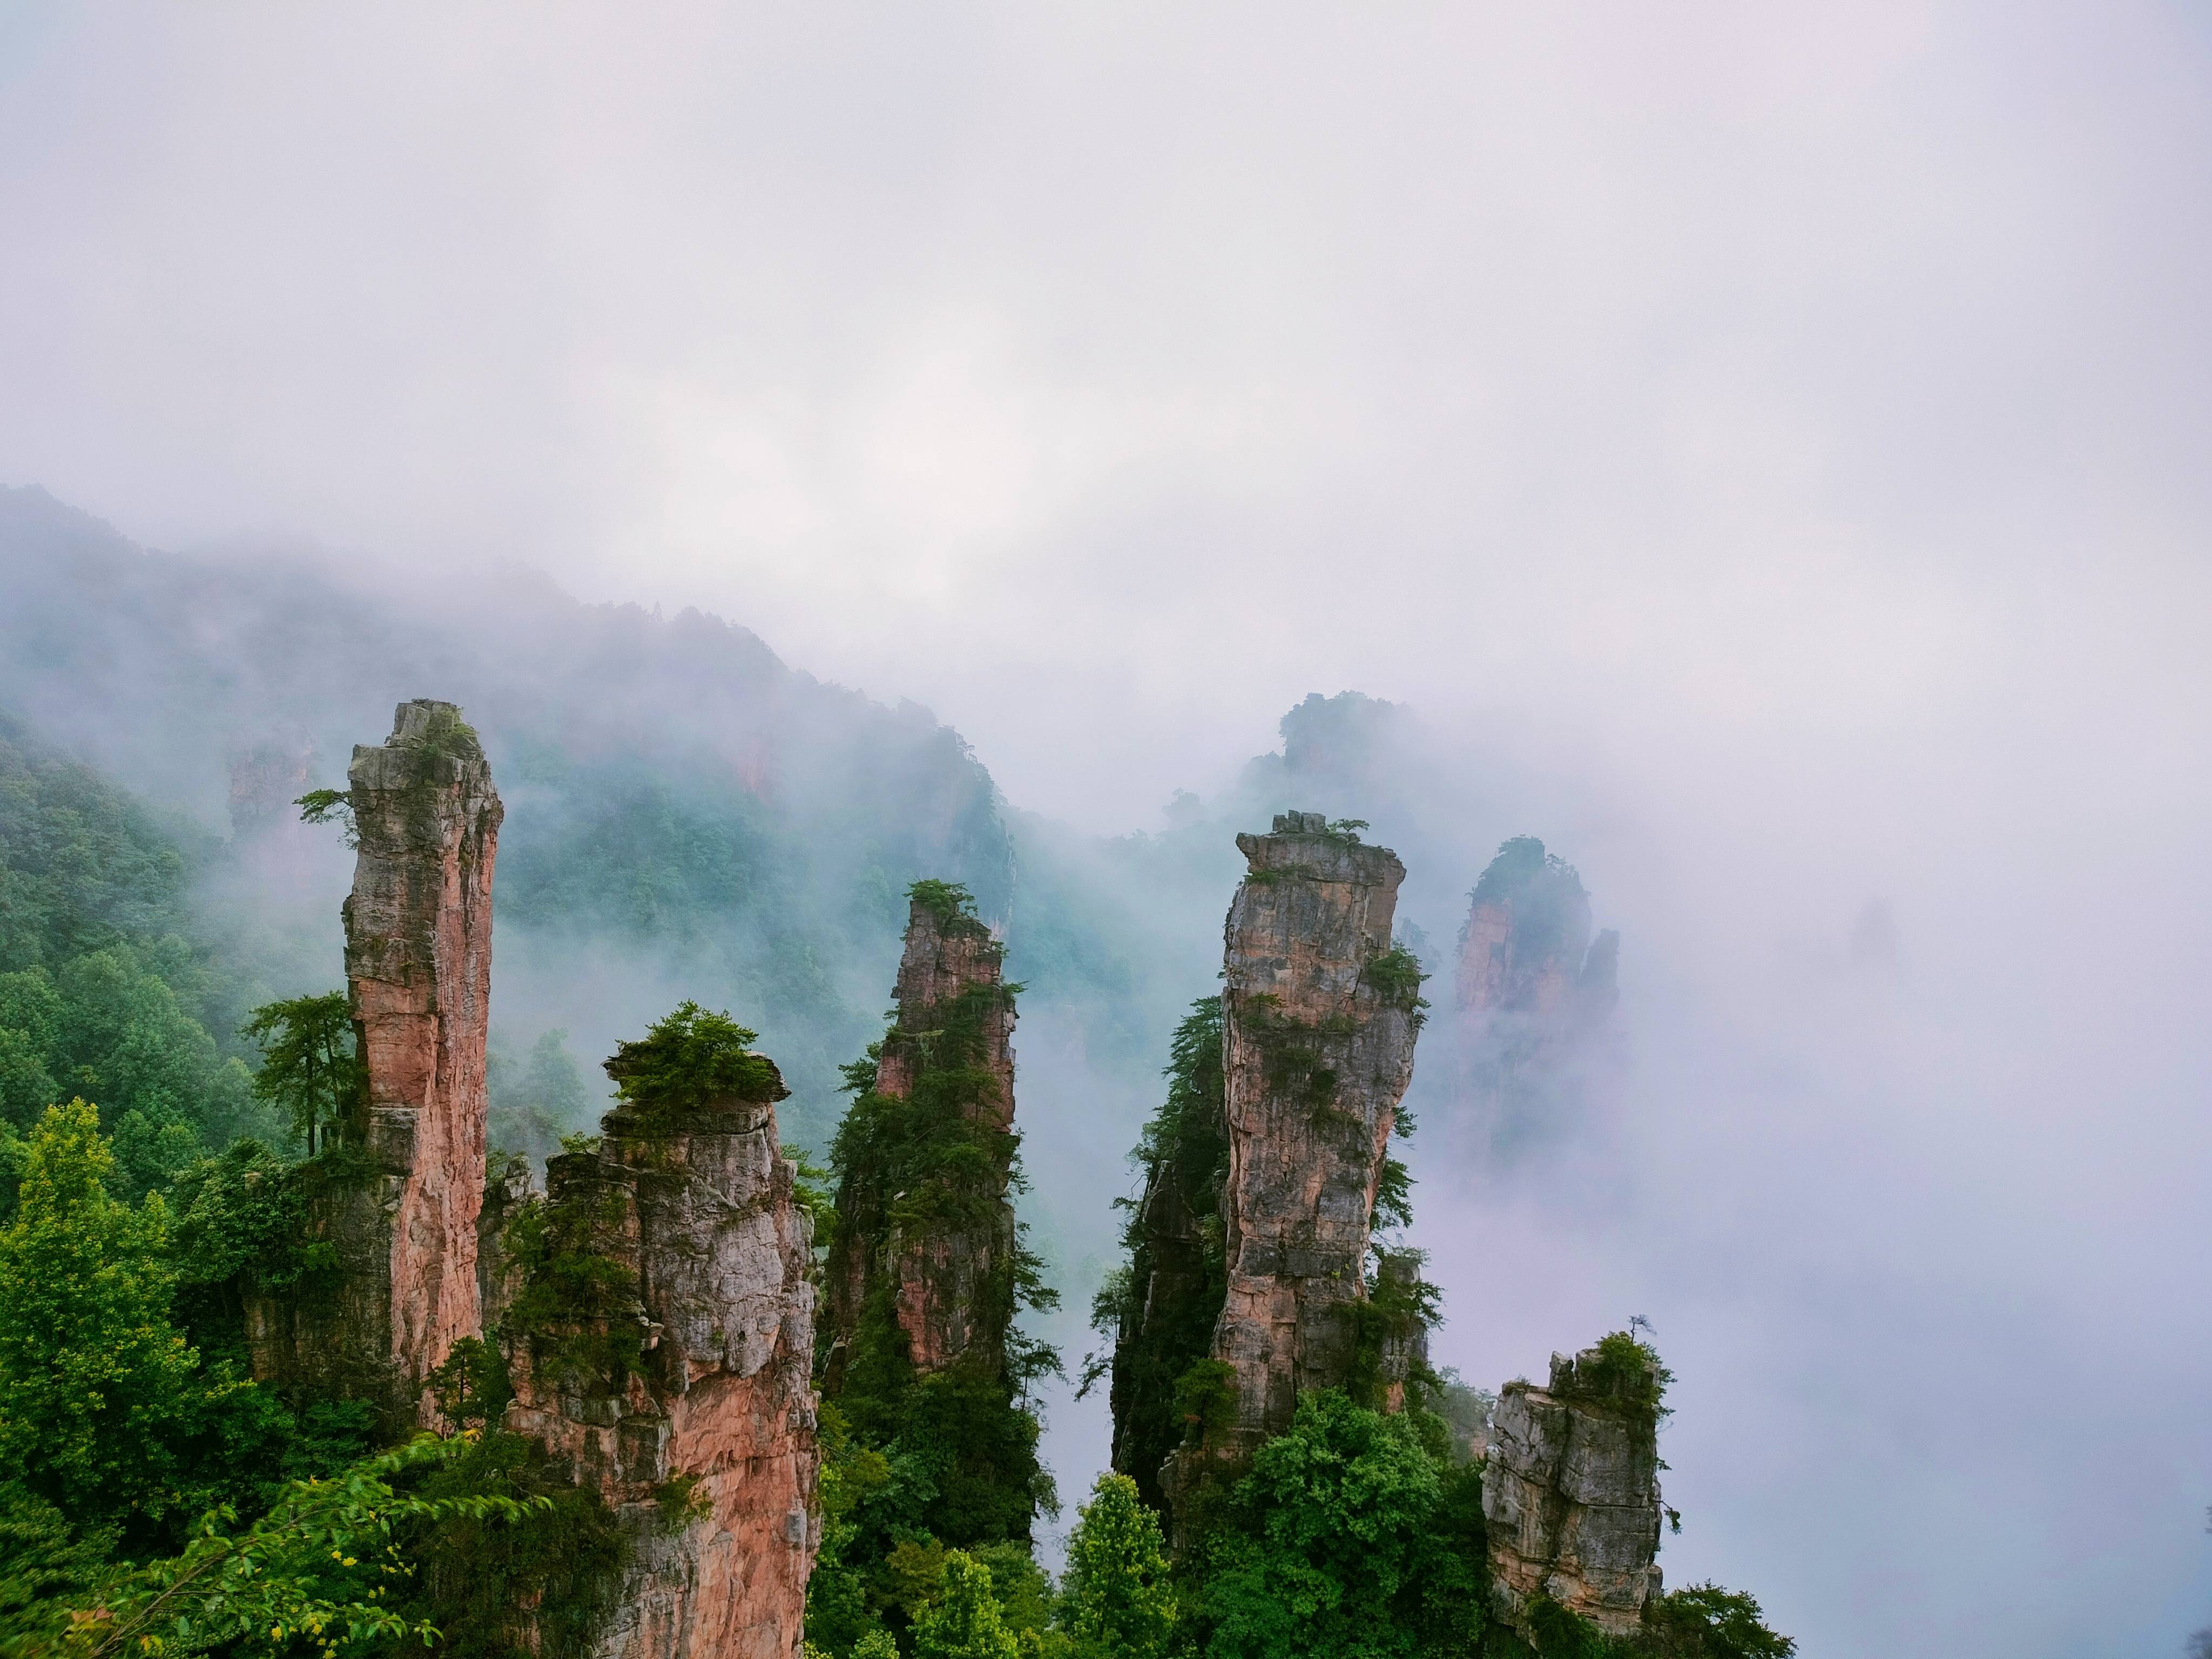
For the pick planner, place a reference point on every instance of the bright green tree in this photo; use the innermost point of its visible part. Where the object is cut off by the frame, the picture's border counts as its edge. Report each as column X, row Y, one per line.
column 965, row 1622
column 95, row 1383
column 1355, row 1536
column 311, row 1066
column 1116, row 1600
column 318, row 1573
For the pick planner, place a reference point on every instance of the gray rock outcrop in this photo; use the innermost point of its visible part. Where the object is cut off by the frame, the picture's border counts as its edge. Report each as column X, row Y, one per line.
column 1570, row 1495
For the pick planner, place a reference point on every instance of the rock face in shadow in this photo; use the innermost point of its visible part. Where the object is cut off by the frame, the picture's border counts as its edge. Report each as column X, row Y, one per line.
column 402, row 1224
column 659, row 1333
column 1570, row 1495
column 948, row 1052
column 1319, row 1019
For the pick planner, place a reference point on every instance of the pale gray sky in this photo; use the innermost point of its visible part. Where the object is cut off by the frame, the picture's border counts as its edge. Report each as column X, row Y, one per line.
column 1787, row 426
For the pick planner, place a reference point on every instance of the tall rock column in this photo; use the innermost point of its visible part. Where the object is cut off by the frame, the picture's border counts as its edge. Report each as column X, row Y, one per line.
column 1570, row 1493
column 1319, row 1015
column 949, row 1053
column 659, row 1333
column 402, row 1231
column 418, row 966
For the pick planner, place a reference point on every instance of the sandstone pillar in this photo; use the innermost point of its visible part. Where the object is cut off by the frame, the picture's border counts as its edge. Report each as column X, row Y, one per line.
column 1570, row 1492
column 400, row 1228
column 1318, row 1022
column 1533, row 986
column 676, row 1382
column 418, row 967
column 953, row 1037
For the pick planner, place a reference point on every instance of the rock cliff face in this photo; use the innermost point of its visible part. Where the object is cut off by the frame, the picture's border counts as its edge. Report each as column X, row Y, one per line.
column 1319, row 1021
column 418, row 966
column 1571, row 1496
column 659, row 1339
column 418, row 963
column 950, row 1052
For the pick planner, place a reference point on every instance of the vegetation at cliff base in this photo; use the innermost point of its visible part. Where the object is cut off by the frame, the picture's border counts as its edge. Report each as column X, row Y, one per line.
column 923, row 1461
column 1158, row 1308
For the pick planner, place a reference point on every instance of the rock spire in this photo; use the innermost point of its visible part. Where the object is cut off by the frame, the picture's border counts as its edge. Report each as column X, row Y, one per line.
column 659, row 1333
column 949, row 1054
column 1570, row 1493
column 426, row 821
column 1319, row 1018
column 1526, row 953
column 418, row 969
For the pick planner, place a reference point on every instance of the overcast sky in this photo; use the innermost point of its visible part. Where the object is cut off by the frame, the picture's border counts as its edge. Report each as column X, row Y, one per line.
column 1786, row 425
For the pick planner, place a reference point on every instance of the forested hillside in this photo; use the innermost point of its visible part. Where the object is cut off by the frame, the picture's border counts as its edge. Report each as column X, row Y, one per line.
column 683, row 808
column 107, row 988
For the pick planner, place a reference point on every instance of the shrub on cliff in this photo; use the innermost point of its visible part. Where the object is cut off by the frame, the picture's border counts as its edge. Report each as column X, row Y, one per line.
column 1158, row 1309
column 690, row 1059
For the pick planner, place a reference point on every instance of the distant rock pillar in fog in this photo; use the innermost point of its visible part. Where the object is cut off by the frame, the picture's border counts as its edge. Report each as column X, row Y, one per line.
column 1570, row 1496
column 1317, row 1051
column 1533, row 991
column 953, row 1011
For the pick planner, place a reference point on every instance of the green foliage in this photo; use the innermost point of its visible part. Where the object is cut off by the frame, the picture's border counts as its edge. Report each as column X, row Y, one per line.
column 1159, row 1309
column 578, row 1307
column 1625, row 1374
column 471, row 1386
column 1351, row 1536
column 47, row 1568
column 813, row 1190
column 329, row 806
column 97, row 1389
column 100, row 993
column 1400, row 1306
column 1703, row 1621
column 239, row 1218
column 311, row 1066
column 1396, row 976
column 318, row 1573
column 82, row 867
column 689, row 1060
column 531, row 1576
column 965, row 1622
column 1116, row 1600
column 952, row 905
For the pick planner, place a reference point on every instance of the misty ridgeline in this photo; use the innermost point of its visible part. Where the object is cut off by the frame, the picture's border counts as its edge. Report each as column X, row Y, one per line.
column 339, row 1311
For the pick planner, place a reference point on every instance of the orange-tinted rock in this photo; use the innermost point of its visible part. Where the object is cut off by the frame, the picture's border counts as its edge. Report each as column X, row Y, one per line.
column 1317, row 1054
column 950, row 976
column 403, row 1236
column 946, row 958
column 418, row 964
column 694, row 1210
